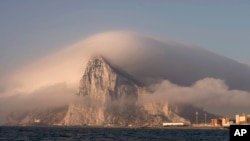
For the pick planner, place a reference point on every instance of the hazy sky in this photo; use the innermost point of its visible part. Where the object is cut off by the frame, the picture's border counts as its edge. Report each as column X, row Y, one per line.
column 31, row 29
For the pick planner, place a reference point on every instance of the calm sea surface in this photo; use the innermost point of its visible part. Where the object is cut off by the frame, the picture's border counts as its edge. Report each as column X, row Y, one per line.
column 110, row 134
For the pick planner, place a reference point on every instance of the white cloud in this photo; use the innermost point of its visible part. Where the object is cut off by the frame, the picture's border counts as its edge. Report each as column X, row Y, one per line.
column 148, row 59
column 210, row 93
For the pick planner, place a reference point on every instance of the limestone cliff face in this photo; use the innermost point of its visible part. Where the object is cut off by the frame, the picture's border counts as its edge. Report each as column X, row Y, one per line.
column 109, row 96
column 105, row 95
column 103, row 82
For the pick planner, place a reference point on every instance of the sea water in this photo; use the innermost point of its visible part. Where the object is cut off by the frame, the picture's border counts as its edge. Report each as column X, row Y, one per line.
column 110, row 134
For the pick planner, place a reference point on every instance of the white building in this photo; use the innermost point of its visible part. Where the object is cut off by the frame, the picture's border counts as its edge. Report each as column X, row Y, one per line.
column 37, row 120
column 173, row 124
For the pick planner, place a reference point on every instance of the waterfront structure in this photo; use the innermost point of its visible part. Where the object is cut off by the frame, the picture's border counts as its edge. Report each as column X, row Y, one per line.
column 223, row 121
column 173, row 124
column 242, row 119
column 37, row 120
column 216, row 122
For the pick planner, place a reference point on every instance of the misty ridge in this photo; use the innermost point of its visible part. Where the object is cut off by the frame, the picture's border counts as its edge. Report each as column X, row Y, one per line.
column 174, row 71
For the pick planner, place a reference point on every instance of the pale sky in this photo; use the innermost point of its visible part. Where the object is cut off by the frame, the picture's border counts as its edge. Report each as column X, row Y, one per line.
column 32, row 29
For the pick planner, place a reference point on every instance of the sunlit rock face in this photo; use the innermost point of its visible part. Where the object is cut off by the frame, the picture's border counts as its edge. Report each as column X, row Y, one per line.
column 106, row 92
column 101, row 81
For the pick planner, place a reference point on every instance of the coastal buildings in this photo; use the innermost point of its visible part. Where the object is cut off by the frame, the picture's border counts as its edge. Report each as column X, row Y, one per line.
column 226, row 121
column 223, row 121
column 216, row 122
column 242, row 119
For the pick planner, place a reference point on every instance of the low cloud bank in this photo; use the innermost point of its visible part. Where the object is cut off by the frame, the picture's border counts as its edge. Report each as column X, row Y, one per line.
column 209, row 93
column 46, row 97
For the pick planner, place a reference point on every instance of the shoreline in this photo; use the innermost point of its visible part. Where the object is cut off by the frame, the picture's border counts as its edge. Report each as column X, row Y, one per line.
column 124, row 127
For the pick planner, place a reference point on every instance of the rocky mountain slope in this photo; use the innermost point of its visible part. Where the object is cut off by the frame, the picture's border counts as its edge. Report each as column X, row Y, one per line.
column 109, row 96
